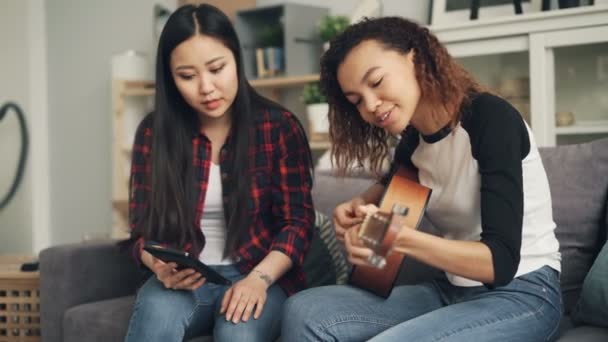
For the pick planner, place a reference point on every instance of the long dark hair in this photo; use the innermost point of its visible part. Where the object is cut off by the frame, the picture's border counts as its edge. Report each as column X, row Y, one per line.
column 442, row 82
column 170, row 215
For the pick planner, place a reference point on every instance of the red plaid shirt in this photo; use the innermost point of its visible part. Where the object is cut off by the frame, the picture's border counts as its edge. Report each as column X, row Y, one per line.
column 281, row 210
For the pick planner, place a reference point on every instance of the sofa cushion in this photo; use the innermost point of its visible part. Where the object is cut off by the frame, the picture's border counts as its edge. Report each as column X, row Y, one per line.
column 325, row 263
column 106, row 320
column 586, row 334
column 329, row 191
column 101, row 321
column 592, row 307
column 578, row 182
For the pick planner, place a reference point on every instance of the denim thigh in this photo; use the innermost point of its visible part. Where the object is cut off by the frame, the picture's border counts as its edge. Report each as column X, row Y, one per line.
column 208, row 300
column 162, row 314
column 346, row 313
column 265, row 328
column 529, row 308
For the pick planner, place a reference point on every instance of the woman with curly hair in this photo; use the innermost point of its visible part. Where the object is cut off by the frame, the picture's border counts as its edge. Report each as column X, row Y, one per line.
column 490, row 198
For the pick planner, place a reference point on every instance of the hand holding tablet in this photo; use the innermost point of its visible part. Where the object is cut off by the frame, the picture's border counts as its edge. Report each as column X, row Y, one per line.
column 183, row 260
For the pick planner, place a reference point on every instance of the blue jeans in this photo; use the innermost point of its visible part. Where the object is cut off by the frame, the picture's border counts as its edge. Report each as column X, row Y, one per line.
column 162, row 314
column 529, row 308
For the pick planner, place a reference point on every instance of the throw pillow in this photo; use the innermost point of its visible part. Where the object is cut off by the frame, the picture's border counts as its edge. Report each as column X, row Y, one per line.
column 325, row 263
column 578, row 182
column 592, row 306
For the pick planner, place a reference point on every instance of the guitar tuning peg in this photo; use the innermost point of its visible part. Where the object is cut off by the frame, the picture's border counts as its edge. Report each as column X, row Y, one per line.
column 399, row 209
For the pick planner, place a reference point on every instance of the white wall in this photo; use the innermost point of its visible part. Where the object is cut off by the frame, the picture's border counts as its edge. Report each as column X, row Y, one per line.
column 82, row 37
column 15, row 219
column 417, row 10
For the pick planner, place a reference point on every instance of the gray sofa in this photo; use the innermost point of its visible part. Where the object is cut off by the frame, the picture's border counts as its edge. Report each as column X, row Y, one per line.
column 87, row 290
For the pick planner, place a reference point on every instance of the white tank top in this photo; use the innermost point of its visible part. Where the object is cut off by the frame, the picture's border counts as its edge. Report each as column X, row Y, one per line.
column 213, row 222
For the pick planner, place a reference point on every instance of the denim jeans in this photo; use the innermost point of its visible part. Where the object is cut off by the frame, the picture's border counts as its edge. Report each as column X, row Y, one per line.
column 161, row 314
column 529, row 308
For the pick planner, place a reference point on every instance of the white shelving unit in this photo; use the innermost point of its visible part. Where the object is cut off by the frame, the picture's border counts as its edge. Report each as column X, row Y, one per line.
column 590, row 127
column 123, row 91
column 542, row 40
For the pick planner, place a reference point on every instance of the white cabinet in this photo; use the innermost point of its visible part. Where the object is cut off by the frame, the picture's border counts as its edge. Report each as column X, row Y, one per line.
column 544, row 63
column 573, row 65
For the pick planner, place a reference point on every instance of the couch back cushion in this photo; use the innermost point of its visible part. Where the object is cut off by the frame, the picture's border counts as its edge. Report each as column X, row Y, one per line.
column 578, row 178
column 606, row 222
column 329, row 191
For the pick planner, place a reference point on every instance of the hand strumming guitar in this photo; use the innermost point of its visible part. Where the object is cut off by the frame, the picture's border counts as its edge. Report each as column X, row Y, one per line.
column 358, row 254
column 346, row 216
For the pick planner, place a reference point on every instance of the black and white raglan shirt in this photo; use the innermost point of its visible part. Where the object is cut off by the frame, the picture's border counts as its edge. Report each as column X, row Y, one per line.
column 488, row 184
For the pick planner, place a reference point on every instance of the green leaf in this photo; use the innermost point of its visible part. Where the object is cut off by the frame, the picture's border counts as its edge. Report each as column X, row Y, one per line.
column 312, row 93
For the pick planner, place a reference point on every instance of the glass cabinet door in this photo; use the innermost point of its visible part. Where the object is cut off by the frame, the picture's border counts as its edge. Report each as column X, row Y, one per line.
column 581, row 92
column 571, row 81
column 507, row 74
column 500, row 64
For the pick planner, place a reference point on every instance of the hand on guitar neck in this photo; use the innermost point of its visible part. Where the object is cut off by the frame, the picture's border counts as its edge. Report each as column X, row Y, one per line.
column 376, row 269
column 349, row 214
column 370, row 242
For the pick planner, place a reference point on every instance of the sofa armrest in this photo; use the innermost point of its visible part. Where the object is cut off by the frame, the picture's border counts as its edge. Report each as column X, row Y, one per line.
column 81, row 273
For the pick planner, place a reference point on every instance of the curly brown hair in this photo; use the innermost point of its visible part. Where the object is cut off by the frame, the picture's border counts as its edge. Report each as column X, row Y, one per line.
column 443, row 84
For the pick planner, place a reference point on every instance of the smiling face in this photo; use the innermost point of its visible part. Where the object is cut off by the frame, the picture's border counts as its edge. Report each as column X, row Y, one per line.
column 382, row 84
column 204, row 71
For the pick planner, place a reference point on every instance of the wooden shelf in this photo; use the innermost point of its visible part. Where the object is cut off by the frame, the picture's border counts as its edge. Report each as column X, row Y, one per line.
column 314, row 145
column 284, row 82
column 146, row 88
column 122, row 205
column 320, row 145
column 589, row 127
column 137, row 88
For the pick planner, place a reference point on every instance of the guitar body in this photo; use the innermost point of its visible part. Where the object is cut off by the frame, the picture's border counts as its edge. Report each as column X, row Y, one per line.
column 405, row 190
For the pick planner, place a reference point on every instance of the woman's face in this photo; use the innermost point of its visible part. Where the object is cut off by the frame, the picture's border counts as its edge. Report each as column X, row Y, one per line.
column 204, row 71
column 382, row 84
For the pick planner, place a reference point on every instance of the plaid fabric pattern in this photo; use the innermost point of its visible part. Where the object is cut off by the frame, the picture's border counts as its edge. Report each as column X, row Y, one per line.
column 280, row 204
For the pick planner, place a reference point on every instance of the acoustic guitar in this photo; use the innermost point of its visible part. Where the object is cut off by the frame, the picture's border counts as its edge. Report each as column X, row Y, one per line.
column 403, row 203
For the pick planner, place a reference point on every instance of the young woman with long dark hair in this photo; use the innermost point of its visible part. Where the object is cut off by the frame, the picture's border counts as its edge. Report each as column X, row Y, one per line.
column 225, row 174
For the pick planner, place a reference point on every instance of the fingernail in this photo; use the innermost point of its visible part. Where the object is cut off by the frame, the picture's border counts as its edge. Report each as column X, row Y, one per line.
column 228, row 317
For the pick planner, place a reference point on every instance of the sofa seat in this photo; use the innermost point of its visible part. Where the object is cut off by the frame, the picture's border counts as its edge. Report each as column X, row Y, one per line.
column 106, row 320
column 585, row 333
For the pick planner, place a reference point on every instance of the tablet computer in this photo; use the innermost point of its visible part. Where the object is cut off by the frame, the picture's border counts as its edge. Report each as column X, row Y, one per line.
column 184, row 261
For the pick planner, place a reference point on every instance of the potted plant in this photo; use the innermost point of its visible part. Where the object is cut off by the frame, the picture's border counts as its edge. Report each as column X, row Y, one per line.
column 331, row 26
column 317, row 109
